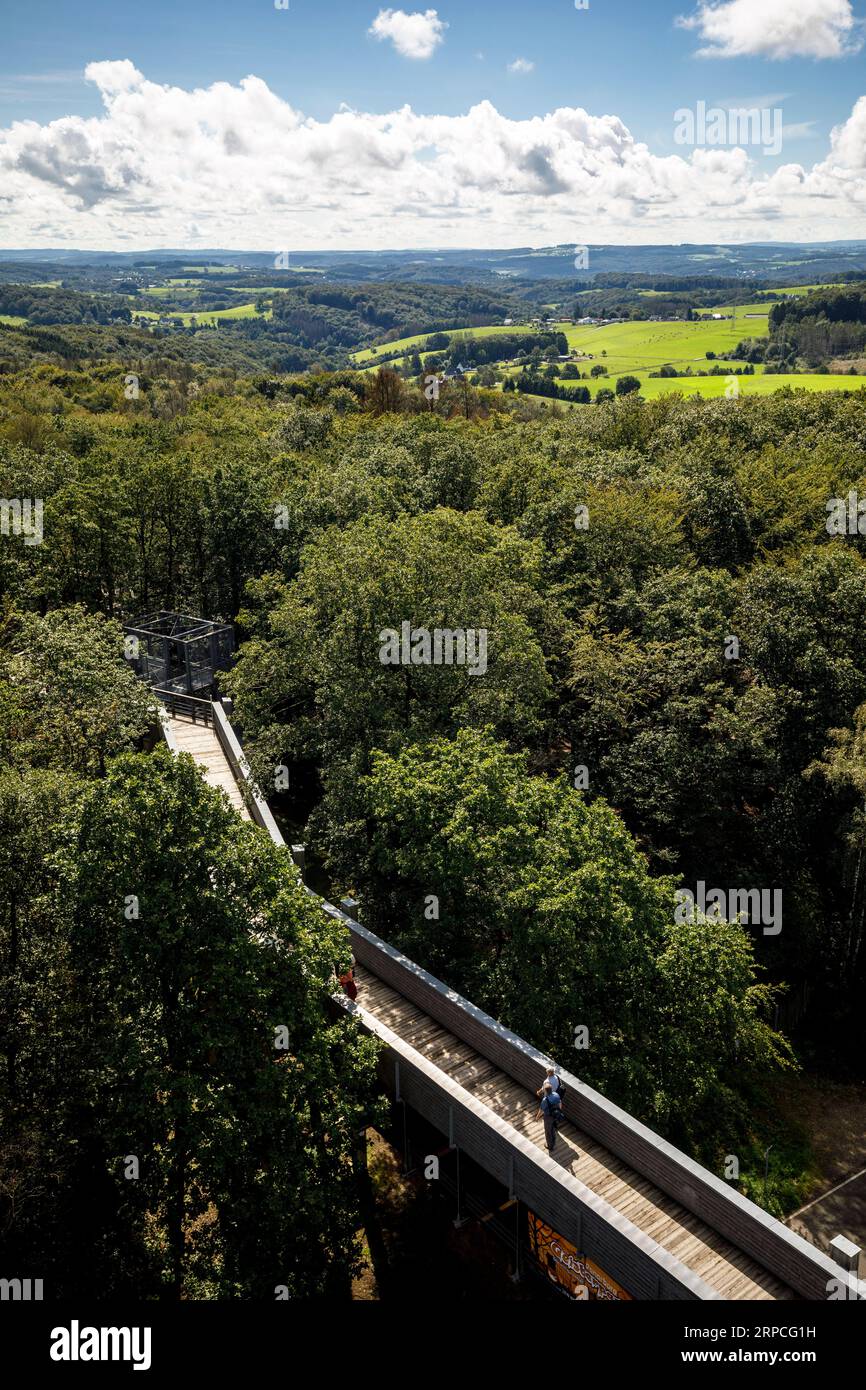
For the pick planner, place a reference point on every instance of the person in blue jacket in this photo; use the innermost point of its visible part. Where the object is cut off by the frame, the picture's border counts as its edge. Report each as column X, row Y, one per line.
column 550, row 1112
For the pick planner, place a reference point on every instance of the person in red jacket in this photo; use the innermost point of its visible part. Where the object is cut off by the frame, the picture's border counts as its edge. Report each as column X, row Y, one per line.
column 347, row 980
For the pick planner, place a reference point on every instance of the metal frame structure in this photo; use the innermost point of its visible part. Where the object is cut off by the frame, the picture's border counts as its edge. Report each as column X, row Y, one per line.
column 176, row 654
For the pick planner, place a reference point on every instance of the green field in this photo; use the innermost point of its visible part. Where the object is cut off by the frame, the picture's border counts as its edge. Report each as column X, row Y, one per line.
column 758, row 385
column 635, row 347
column 407, row 345
column 713, row 387
column 806, row 289
column 241, row 311
column 760, row 309
column 11, row 320
column 638, row 348
column 213, row 269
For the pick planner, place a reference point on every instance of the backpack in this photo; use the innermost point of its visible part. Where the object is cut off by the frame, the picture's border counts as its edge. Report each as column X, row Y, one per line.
column 554, row 1101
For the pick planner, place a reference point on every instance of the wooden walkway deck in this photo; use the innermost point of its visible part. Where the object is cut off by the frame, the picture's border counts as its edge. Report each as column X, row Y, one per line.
column 725, row 1268
column 200, row 741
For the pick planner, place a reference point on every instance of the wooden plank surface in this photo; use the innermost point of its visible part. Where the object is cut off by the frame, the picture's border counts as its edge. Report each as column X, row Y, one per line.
column 724, row 1267
column 201, row 742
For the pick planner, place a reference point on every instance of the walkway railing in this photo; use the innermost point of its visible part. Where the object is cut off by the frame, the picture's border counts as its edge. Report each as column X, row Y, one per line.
column 184, row 706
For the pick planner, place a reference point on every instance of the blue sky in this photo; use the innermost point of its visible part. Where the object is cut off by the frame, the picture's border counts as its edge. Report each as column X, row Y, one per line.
column 622, row 58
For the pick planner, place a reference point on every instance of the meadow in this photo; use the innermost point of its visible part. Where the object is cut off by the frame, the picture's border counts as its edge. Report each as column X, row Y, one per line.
column 417, row 341
column 186, row 316
column 713, row 387
column 638, row 348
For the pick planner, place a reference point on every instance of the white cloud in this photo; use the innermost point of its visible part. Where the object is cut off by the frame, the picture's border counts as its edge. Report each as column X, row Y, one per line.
column 413, row 35
column 250, row 171
column 775, row 28
column 766, row 99
column 800, row 130
column 521, row 65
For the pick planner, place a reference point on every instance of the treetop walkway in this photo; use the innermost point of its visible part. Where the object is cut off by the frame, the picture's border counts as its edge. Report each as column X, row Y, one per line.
column 658, row 1223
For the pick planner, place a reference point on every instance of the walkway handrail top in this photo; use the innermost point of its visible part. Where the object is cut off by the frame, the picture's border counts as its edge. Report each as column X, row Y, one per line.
column 179, row 695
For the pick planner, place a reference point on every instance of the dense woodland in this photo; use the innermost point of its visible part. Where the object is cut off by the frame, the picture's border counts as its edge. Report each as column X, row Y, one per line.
column 180, row 1113
column 303, row 322
column 812, row 331
column 611, row 554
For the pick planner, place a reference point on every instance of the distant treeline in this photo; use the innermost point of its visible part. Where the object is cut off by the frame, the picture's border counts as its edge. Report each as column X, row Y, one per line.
column 818, row 327
column 534, row 385
column 626, row 281
column 835, row 305
column 500, row 347
column 353, row 315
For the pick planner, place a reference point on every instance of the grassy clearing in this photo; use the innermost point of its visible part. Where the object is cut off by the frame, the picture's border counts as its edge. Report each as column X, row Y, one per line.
column 240, row 311
column 395, row 363
column 160, row 291
column 760, row 309
column 12, row 320
column 758, row 385
column 407, row 345
column 632, row 347
column 212, row 269
column 186, row 316
column 806, row 289
column 713, row 387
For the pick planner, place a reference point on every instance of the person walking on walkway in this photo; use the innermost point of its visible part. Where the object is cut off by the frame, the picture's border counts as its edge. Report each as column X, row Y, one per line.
column 549, row 1111
column 555, row 1083
column 347, row 980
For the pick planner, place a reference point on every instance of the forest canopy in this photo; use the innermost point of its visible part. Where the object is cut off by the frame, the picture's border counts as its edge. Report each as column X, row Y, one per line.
column 673, row 694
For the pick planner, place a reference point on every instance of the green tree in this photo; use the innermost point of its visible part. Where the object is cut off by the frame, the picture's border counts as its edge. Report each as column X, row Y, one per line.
column 54, row 1215
column 546, row 915
column 66, row 698
column 843, row 769
column 311, row 682
column 205, row 973
column 626, row 385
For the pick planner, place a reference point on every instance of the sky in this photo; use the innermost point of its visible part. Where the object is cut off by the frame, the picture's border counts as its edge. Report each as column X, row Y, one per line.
column 342, row 124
